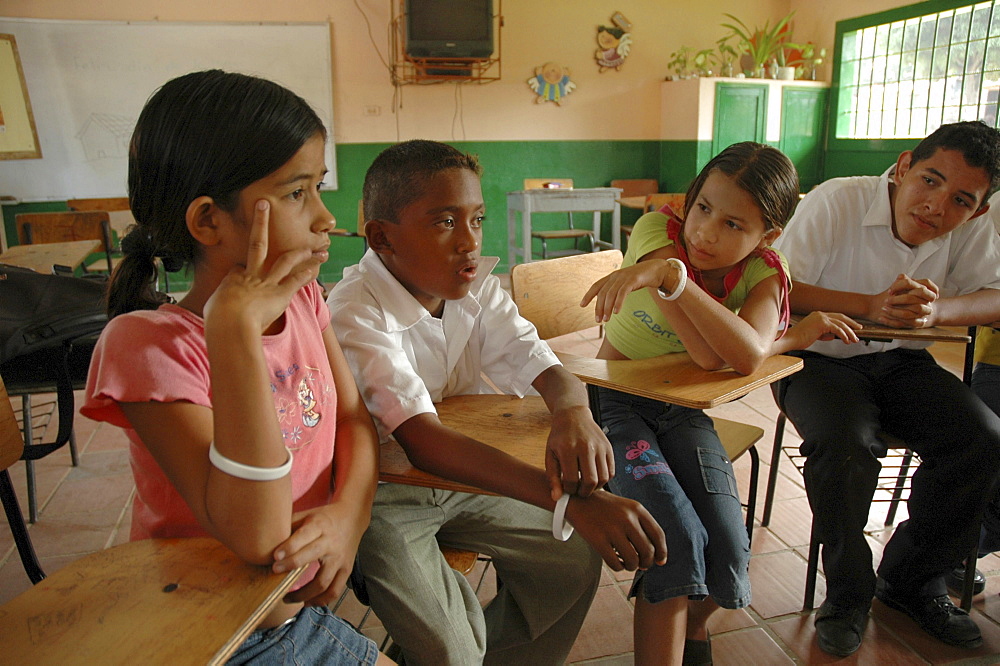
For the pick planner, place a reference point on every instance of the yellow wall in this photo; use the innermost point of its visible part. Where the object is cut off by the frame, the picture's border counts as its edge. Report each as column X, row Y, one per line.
column 612, row 105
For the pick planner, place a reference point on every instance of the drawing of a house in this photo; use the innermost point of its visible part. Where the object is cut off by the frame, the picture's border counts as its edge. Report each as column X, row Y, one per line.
column 106, row 135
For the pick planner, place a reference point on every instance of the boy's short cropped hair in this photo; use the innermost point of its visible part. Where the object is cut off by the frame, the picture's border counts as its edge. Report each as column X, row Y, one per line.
column 978, row 142
column 396, row 177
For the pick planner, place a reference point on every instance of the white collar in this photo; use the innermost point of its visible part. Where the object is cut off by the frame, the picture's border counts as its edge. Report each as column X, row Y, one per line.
column 406, row 311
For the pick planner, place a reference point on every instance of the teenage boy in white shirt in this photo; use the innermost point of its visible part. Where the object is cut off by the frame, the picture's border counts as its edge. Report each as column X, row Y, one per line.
column 909, row 249
column 419, row 319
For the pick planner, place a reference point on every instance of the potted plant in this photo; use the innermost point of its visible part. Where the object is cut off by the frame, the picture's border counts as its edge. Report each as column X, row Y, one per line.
column 703, row 62
column 679, row 63
column 727, row 56
column 761, row 44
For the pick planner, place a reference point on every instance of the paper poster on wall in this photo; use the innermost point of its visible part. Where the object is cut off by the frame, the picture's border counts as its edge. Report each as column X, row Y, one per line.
column 18, row 138
column 90, row 79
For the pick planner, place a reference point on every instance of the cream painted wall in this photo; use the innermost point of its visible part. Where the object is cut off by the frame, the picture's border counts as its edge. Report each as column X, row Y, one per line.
column 613, row 105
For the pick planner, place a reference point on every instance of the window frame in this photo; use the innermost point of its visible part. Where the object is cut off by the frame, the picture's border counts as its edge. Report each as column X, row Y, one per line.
column 880, row 145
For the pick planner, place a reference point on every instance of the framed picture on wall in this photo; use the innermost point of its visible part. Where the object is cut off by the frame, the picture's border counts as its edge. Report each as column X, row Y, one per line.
column 18, row 136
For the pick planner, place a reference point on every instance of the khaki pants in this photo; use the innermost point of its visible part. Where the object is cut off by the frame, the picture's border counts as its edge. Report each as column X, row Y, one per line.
column 432, row 613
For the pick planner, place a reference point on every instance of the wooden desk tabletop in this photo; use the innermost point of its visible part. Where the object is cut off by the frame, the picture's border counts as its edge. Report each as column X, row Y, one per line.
column 874, row 331
column 634, row 202
column 516, row 426
column 42, row 256
column 172, row 601
column 676, row 379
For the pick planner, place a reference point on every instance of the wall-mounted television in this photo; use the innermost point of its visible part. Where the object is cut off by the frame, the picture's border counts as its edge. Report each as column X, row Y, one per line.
column 459, row 29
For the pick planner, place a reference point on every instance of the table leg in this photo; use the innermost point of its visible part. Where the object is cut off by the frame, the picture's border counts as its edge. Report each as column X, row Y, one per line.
column 616, row 226
column 526, row 230
column 511, row 237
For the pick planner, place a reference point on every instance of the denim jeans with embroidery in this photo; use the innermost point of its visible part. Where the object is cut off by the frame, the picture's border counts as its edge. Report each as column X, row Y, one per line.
column 669, row 459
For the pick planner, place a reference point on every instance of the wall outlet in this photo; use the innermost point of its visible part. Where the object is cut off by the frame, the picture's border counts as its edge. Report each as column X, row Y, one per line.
column 373, row 110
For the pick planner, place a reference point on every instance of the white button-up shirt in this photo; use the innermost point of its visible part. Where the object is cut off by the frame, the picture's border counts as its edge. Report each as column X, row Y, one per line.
column 841, row 238
column 404, row 359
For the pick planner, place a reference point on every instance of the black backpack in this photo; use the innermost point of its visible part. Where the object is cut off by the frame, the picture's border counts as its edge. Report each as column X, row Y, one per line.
column 49, row 325
column 39, row 311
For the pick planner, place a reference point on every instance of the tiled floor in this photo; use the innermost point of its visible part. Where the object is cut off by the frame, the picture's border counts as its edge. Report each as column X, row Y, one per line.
column 88, row 508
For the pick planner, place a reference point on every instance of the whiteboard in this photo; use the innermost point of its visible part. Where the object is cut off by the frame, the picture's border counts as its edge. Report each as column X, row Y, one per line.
column 88, row 81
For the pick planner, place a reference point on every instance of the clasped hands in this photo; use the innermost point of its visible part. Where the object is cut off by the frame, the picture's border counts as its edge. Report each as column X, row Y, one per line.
column 907, row 303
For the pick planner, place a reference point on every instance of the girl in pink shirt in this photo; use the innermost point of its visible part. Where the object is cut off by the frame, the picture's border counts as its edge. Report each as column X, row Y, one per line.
column 244, row 420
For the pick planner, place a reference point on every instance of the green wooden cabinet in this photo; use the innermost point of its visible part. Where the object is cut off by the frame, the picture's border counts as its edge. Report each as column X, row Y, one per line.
column 740, row 115
column 803, row 116
column 701, row 117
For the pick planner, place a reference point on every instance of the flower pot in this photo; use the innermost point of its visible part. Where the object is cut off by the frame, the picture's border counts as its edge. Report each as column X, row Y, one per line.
column 786, row 73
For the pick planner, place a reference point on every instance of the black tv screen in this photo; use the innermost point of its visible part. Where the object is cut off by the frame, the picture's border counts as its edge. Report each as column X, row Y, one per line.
column 449, row 28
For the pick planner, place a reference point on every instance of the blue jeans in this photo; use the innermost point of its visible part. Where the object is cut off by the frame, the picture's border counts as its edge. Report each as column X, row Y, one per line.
column 315, row 636
column 670, row 460
column 986, row 384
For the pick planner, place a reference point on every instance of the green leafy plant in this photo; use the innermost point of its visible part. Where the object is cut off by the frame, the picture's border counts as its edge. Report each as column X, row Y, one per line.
column 809, row 58
column 762, row 44
column 727, row 54
column 680, row 62
column 703, row 61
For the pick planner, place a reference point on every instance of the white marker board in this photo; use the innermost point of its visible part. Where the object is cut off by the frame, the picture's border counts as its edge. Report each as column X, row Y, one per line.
column 88, row 80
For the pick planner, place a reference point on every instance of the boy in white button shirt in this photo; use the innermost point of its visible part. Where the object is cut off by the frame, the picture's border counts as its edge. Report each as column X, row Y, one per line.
column 420, row 318
column 909, row 249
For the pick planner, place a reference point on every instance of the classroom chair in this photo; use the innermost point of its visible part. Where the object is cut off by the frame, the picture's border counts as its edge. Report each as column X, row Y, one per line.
column 633, row 190
column 69, row 226
column 894, row 482
column 548, row 294
column 198, row 600
column 656, row 201
column 122, row 221
column 556, row 234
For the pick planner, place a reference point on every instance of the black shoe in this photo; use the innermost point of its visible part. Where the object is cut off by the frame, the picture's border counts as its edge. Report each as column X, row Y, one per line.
column 938, row 616
column 956, row 581
column 839, row 628
column 697, row 653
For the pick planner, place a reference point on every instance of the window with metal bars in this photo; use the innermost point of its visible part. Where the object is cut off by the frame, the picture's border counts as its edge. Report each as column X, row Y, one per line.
column 904, row 78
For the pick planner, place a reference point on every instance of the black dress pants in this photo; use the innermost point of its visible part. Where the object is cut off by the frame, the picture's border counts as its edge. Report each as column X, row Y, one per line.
column 840, row 407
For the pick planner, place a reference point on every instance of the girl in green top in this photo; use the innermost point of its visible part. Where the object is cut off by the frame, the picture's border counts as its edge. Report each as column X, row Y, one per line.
column 710, row 285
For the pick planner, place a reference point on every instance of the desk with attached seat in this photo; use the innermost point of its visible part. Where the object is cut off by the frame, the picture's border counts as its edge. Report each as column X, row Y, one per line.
column 527, row 202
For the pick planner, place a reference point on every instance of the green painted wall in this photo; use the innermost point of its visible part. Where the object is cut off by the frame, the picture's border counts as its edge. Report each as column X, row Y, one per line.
column 505, row 165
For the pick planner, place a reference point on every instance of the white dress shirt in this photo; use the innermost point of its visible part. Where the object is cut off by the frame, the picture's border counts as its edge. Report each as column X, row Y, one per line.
column 841, row 238
column 404, row 359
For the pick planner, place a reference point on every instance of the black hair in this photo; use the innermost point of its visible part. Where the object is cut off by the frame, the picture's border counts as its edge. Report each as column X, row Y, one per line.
column 764, row 172
column 209, row 133
column 397, row 176
column 978, row 142
column 617, row 32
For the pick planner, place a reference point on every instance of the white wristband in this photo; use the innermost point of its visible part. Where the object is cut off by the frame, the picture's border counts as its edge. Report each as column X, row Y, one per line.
column 561, row 529
column 681, row 282
column 248, row 472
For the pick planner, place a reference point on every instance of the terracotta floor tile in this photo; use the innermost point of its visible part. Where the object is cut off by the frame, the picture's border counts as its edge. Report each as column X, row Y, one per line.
column 607, row 631
column 729, row 620
column 778, row 584
column 750, row 647
column 791, row 521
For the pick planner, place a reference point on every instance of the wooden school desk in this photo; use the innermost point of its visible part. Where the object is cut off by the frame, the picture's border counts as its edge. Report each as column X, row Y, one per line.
column 516, row 426
column 676, row 379
column 587, row 199
column 170, row 601
column 42, row 257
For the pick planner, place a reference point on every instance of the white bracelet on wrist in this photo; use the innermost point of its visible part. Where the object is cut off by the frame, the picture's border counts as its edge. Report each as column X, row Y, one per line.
column 248, row 472
column 681, row 281
column 561, row 529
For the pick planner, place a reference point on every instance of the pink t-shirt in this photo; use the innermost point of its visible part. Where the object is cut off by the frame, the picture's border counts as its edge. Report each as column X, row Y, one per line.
column 160, row 356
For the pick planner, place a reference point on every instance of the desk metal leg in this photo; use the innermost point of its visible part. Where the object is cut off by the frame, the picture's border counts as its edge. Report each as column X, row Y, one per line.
column 511, row 238
column 526, row 231
column 616, row 227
